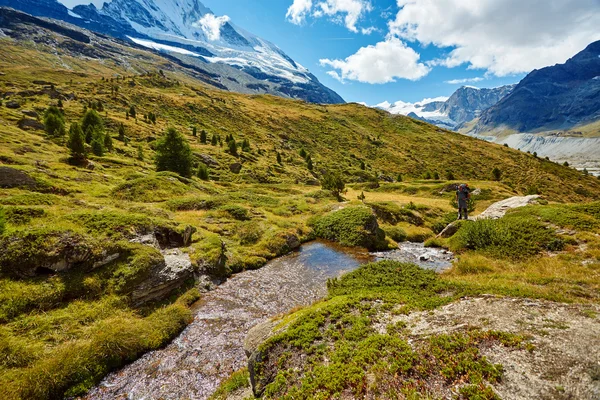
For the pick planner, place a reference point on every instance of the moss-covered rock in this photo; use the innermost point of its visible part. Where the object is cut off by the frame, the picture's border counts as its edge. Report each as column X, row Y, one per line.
column 351, row 226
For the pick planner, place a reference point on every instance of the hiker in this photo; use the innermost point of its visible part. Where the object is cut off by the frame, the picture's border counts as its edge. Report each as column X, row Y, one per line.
column 462, row 198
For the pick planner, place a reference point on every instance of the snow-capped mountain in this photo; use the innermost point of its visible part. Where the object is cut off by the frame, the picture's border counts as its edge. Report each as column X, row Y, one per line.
column 463, row 106
column 188, row 30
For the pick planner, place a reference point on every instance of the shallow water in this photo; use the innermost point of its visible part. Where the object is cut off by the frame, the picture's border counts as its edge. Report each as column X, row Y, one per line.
column 210, row 348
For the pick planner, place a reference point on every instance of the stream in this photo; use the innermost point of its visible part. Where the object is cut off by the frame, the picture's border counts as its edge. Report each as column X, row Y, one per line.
column 210, row 348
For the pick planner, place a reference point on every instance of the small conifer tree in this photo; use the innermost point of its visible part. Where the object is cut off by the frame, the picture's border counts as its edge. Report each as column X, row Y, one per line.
column 173, row 153
column 246, row 145
column 399, row 178
column 203, row 136
column 98, row 144
column 232, row 146
column 121, row 132
column 213, row 141
column 278, row 158
column 140, row 153
column 108, row 143
column 303, row 153
column 362, row 165
column 334, row 183
column 132, row 112
column 194, row 131
column 54, row 122
column 496, row 174
column 76, row 142
column 202, row 172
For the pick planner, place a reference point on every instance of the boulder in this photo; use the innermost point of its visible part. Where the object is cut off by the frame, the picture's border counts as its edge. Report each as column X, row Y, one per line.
column 260, row 376
column 12, row 104
column 164, row 278
column 14, row 178
column 30, row 113
column 206, row 159
column 450, row 230
column 27, row 124
column 235, row 168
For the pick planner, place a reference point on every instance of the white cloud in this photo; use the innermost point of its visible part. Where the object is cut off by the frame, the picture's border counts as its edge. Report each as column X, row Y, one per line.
column 345, row 12
column 353, row 10
column 466, row 80
column 369, row 30
column 297, row 12
column 381, row 63
column 501, row 36
column 211, row 25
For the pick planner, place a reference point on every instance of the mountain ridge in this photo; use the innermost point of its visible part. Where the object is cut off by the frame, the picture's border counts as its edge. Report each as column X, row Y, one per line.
column 154, row 24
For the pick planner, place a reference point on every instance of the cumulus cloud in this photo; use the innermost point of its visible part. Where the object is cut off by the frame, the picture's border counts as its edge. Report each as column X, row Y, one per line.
column 297, row 12
column 345, row 12
column 211, row 25
column 351, row 10
column 466, row 80
column 501, row 36
column 380, row 63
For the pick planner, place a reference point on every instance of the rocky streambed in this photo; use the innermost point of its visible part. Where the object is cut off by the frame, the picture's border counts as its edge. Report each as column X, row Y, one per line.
column 211, row 347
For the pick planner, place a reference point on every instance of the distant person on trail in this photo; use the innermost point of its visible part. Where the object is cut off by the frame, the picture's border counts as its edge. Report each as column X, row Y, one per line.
column 463, row 195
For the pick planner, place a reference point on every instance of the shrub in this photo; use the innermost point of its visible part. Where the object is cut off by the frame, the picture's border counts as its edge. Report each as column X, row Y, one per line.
column 496, row 174
column 237, row 212
column 22, row 215
column 173, row 153
column 140, row 153
column 334, row 183
column 153, row 188
column 351, row 226
column 396, row 233
column 515, row 237
column 249, row 233
column 449, row 176
column 202, row 172
column 193, row 204
column 54, row 122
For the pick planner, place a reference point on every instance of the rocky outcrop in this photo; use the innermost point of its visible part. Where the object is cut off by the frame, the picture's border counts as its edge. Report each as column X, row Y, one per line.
column 557, row 97
column 164, row 277
column 14, row 178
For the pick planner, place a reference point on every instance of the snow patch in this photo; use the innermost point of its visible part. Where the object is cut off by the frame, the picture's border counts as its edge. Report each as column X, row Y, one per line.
column 162, row 47
column 72, row 14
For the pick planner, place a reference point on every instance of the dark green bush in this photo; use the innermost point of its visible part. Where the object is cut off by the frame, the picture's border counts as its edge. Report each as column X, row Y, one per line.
column 352, row 226
column 194, row 203
column 22, row 215
column 515, row 238
column 237, row 212
column 396, row 233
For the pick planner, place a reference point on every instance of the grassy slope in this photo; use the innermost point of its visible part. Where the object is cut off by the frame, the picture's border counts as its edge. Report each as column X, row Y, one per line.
column 45, row 317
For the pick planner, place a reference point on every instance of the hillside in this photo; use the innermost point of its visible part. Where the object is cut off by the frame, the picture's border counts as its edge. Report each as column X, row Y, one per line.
column 101, row 261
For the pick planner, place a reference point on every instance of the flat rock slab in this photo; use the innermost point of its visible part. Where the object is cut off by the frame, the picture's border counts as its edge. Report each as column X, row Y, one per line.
column 499, row 209
column 565, row 362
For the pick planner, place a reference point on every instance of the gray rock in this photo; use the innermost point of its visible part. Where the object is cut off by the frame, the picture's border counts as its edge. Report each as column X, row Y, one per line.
column 14, row 178
column 30, row 113
column 30, row 124
column 164, row 277
column 235, row 168
column 206, row 159
column 12, row 104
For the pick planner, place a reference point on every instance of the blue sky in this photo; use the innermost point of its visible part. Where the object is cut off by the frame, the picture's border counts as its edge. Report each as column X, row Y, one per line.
column 404, row 51
column 490, row 48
